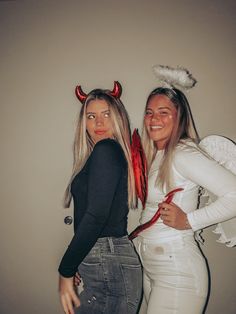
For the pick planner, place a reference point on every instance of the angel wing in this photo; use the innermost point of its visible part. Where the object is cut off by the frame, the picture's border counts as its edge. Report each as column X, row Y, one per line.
column 223, row 150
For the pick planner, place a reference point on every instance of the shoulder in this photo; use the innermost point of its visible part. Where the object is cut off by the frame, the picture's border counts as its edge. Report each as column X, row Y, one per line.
column 187, row 152
column 108, row 150
column 109, row 146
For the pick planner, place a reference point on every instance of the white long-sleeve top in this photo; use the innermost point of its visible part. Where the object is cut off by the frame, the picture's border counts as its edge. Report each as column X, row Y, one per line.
column 191, row 168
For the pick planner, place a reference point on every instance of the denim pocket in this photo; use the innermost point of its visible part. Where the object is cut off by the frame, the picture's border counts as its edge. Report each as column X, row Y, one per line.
column 132, row 275
column 91, row 269
column 91, row 262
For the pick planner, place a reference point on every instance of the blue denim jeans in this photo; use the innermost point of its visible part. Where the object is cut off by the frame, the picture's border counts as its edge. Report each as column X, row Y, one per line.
column 112, row 278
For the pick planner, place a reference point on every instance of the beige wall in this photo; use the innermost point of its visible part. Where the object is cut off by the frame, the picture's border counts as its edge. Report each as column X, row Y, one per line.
column 46, row 47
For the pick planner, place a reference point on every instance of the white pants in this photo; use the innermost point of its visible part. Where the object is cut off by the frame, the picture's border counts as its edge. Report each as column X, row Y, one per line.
column 175, row 276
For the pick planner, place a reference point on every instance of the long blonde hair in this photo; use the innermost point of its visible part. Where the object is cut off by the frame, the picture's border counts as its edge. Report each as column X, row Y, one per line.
column 83, row 144
column 184, row 128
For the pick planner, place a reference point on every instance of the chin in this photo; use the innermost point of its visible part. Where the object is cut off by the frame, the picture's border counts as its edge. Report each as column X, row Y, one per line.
column 155, row 138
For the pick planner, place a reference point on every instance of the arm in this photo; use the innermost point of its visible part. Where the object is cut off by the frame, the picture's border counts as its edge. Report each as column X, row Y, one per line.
column 105, row 168
column 195, row 166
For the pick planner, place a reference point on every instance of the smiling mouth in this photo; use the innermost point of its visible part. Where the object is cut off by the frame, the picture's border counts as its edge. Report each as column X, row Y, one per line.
column 155, row 127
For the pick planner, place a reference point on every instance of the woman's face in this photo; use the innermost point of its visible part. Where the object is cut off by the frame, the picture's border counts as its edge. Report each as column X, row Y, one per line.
column 159, row 119
column 98, row 120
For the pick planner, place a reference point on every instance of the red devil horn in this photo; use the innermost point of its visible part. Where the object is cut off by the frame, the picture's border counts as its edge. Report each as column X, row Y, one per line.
column 80, row 94
column 117, row 90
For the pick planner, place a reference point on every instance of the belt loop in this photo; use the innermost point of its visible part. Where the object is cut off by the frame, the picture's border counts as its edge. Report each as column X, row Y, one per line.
column 111, row 245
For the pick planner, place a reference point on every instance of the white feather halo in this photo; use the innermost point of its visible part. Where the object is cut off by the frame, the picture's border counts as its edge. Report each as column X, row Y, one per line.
column 174, row 77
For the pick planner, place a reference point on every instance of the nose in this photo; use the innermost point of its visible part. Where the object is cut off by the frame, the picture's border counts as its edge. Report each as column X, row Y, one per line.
column 155, row 116
column 99, row 120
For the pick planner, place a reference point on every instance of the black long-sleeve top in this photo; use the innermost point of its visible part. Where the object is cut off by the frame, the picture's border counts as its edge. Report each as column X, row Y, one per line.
column 100, row 195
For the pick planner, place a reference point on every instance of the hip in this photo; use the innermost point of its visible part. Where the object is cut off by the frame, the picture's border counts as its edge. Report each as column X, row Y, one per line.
column 111, row 251
column 112, row 274
column 181, row 245
column 181, row 256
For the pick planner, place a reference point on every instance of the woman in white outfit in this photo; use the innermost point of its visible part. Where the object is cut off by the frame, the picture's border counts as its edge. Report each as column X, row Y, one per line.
column 175, row 272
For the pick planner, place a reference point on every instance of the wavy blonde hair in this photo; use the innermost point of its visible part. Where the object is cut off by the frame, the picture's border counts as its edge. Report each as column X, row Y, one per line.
column 83, row 144
column 184, row 128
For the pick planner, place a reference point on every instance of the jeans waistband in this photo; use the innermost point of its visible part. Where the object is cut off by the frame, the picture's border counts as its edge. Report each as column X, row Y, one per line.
column 110, row 242
column 114, row 240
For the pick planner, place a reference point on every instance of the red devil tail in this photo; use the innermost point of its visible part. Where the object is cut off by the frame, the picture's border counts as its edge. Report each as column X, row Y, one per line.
column 168, row 198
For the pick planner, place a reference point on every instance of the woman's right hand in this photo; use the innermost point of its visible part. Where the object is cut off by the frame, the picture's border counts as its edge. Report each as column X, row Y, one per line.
column 173, row 216
column 68, row 296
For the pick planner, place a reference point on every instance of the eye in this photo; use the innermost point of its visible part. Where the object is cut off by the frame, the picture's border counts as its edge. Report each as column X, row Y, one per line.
column 148, row 112
column 107, row 114
column 90, row 116
column 164, row 112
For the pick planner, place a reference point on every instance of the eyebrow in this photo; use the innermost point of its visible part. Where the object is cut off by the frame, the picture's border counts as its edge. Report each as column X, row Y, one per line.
column 148, row 108
column 90, row 112
column 164, row 108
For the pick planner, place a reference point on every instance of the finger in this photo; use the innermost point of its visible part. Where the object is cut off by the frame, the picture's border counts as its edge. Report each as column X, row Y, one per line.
column 72, row 300
column 167, row 206
column 164, row 212
column 77, row 281
column 165, row 218
column 69, row 304
column 162, row 206
column 76, row 300
column 64, row 305
column 167, row 222
column 165, row 209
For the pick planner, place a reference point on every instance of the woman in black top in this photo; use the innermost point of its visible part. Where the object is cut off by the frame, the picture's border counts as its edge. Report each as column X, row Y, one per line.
column 102, row 187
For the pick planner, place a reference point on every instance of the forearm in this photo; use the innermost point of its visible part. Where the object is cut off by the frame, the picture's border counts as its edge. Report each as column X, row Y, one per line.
column 84, row 239
column 220, row 210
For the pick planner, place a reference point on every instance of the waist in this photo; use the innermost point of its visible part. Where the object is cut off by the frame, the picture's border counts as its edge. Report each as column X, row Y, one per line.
column 175, row 243
column 112, row 245
column 115, row 240
column 159, row 233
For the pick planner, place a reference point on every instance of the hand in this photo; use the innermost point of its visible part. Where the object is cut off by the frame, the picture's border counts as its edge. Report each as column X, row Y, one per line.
column 173, row 216
column 68, row 296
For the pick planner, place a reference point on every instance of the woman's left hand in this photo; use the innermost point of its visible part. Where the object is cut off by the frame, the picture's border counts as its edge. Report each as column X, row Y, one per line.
column 173, row 216
column 68, row 295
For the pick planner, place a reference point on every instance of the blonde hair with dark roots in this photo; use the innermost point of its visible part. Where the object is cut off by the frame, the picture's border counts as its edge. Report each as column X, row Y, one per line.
column 83, row 144
column 184, row 128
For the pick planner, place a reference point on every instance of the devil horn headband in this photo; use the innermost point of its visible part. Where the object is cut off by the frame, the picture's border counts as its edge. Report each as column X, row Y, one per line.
column 82, row 96
column 117, row 90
